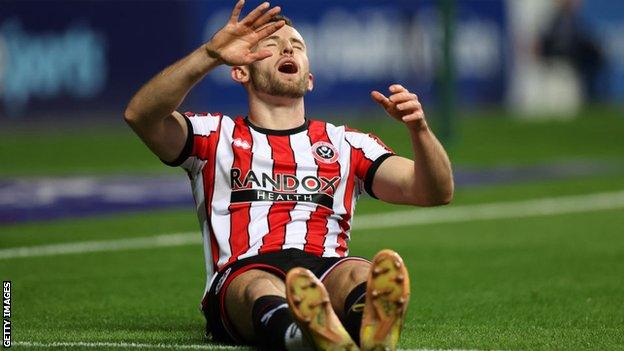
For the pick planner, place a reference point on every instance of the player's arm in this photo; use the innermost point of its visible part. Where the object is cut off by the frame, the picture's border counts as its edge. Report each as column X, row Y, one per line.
column 152, row 111
column 425, row 181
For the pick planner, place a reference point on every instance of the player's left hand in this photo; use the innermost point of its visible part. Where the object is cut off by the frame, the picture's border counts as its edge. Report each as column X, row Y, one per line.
column 402, row 106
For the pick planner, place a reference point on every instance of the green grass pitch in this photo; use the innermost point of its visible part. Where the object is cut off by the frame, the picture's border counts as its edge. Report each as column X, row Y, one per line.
column 537, row 283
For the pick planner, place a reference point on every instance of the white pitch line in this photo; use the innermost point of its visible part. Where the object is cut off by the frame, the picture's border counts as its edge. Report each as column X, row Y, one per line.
column 421, row 216
column 167, row 240
column 83, row 344
column 496, row 210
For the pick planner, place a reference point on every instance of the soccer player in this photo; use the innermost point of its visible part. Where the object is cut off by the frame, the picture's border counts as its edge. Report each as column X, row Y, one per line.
column 275, row 193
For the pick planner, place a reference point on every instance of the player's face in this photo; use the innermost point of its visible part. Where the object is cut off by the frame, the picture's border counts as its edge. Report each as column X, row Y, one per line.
column 287, row 72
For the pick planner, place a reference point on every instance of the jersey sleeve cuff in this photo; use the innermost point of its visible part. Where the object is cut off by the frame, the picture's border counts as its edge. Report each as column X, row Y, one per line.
column 188, row 146
column 370, row 174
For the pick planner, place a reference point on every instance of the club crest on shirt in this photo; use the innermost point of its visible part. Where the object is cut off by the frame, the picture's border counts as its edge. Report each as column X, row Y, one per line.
column 324, row 152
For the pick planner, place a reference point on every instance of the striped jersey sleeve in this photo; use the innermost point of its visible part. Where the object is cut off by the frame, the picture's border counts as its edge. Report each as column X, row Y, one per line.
column 203, row 130
column 368, row 152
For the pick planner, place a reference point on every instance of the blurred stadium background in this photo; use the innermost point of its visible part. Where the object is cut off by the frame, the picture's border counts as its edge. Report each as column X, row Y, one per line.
column 100, row 241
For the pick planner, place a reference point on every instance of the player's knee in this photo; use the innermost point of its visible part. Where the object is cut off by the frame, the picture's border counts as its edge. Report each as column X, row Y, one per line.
column 261, row 287
column 359, row 273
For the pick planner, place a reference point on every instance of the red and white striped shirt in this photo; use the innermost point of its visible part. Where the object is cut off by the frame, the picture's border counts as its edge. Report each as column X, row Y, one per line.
column 259, row 190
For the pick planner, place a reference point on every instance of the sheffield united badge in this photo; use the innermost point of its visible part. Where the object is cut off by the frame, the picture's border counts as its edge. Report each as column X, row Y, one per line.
column 324, row 152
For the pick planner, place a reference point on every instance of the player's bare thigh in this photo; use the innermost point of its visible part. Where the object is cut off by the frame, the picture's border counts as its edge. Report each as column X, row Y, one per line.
column 342, row 279
column 241, row 294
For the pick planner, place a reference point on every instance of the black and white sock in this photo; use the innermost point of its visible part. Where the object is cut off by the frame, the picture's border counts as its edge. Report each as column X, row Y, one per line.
column 294, row 339
column 353, row 310
column 274, row 326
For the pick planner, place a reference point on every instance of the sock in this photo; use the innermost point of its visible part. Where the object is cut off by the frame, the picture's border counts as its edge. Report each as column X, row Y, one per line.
column 353, row 310
column 274, row 327
column 294, row 339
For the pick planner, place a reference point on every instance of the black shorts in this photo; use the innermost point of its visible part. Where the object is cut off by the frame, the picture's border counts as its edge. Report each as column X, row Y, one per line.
column 218, row 326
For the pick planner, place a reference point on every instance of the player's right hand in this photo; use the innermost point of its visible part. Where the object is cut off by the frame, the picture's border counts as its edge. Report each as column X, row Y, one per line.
column 233, row 44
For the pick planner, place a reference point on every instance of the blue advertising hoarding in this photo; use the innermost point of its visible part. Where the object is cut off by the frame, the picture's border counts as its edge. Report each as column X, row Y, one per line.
column 356, row 46
column 66, row 58
column 59, row 58
column 606, row 19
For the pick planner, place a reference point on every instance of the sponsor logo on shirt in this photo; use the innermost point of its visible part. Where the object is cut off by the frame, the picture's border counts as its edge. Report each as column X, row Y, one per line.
column 254, row 186
column 243, row 144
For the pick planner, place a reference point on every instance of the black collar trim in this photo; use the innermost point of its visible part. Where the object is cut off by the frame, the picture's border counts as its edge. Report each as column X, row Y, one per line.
column 296, row 130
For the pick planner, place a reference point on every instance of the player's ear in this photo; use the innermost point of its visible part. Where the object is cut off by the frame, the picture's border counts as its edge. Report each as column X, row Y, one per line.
column 240, row 74
column 310, row 81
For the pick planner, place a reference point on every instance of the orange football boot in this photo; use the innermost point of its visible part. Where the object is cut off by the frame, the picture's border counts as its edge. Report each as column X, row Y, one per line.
column 310, row 306
column 387, row 295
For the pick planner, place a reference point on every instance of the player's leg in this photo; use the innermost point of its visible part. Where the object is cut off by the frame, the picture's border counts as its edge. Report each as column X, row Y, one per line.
column 243, row 292
column 387, row 295
column 346, row 284
column 256, row 306
column 311, row 306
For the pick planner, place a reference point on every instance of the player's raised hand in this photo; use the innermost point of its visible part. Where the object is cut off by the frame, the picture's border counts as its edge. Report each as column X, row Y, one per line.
column 233, row 43
column 401, row 105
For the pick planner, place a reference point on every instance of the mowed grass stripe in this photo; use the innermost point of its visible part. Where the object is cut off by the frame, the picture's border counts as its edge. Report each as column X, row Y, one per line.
column 82, row 344
column 489, row 211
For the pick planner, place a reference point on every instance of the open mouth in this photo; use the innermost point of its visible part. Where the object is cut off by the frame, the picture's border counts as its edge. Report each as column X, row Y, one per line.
column 288, row 67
